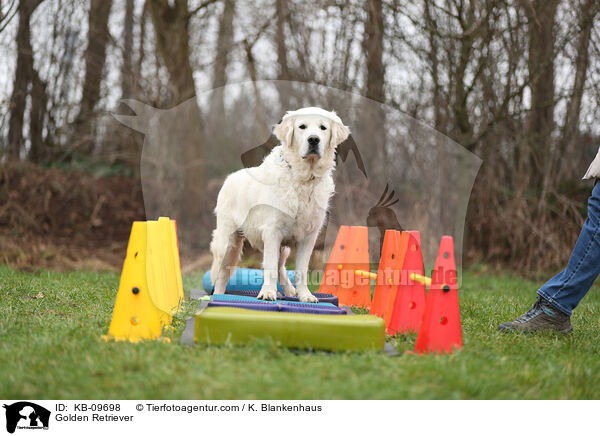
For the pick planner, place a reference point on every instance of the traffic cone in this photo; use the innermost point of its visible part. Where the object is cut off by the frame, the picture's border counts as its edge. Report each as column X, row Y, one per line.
column 350, row 252
column 150, row 290
column 168, row 260
column 409, row 305
column 388, row 273
column 331, row 278
column 440, row 329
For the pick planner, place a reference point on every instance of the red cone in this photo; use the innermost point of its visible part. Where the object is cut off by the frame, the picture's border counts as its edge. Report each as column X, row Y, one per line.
column 388, row 273
column 409, row 305
column 440, row 330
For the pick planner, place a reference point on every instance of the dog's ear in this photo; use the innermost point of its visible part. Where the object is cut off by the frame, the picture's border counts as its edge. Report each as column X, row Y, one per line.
column 339, row 133
column 284, row 131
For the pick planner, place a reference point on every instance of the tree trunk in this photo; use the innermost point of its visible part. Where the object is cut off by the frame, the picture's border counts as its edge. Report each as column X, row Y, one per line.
column 439, row 120
column 224, row 41
column 282, row 61
column 373, row 44
column 171, row 25
column 464, row 129
column 95, row 57
column 541, row 16
column 37, row 115
column 374, row 51
column 570, row 129
column 127, row 73
column 23, row 78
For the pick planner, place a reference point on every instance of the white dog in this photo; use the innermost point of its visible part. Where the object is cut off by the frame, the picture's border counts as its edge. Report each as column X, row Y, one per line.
column 284, row 199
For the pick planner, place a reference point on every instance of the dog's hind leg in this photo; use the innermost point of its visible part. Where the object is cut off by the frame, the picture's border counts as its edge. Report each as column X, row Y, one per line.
column 226, row 249
column 284, row 280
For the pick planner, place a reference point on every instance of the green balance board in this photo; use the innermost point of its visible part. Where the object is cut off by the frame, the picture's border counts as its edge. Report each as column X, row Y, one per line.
column 220, row 325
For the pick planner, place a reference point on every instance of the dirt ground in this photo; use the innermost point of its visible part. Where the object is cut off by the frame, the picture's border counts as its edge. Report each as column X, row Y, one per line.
column 62, row 219
column 70, row 220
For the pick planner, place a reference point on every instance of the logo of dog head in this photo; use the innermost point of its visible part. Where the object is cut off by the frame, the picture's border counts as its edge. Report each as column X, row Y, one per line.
column 26, row 415
column 190, row 149
column 383, row 216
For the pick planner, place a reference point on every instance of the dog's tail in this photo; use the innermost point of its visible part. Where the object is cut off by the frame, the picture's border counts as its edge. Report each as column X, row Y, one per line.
column 283, row 255
column 226, row 251
column 218, row 248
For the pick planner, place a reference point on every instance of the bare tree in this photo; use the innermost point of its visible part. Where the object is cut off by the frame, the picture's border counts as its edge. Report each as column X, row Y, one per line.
column 171, row 20
column 171, row 25
column 127, row 72
column 282, row 60
column 570, row 129
column 95, row 57
column 533, row 162
column 25, row 74
column 224, row 46
column 373, row 43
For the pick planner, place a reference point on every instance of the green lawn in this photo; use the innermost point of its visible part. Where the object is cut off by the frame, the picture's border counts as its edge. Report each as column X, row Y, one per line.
column 50, row 347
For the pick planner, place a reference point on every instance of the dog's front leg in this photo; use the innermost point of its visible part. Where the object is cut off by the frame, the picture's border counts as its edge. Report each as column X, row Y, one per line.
column 303, row 252
column 270, row 265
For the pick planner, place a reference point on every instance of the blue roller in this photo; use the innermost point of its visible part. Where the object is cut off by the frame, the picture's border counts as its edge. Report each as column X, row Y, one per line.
column 243, row 278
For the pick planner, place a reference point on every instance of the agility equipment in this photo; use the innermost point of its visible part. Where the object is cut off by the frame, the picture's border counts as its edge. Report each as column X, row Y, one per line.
column 250, row 305
column 388, row 273
column 297, row 307
column 247, row 279
column 440, row 329
column 150, row 290
column 409, row 305
column 233, row 297
column 420, row 279
column 220, row 325
column 350, row 252
column 399, row 302
column 248, row 282
column 436, row 317
column 323, row 298
column 331, row 276
column 273, row 306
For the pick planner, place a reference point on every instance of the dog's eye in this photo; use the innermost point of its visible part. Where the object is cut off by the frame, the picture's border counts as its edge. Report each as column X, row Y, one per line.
column 302, row 126
column 323, row 127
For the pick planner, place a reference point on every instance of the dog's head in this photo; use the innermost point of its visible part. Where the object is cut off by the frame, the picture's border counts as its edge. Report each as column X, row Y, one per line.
column 311, row 135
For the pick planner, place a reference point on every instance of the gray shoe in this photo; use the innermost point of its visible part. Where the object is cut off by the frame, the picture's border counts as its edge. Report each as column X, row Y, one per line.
column 542, row 316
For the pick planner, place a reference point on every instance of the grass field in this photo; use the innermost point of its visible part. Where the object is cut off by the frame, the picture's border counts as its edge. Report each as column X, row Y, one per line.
column 50, row 348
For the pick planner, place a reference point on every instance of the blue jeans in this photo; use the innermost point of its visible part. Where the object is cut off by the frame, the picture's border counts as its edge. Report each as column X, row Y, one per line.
column 566, row 289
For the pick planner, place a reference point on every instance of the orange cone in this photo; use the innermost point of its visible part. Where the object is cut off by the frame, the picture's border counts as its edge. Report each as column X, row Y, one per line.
column 388, row 273
column 350, row 252
column 409, row 305
column 331, row 278
column 356, row 290
column 440, row 329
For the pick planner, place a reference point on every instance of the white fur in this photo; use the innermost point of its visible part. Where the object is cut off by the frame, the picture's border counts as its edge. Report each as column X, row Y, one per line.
column 283, row 199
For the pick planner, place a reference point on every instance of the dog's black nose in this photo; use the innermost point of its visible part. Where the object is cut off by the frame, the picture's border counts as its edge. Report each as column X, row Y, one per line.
column 313, row 140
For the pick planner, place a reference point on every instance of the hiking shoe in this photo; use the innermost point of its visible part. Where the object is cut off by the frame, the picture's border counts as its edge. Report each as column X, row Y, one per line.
column 542, row 316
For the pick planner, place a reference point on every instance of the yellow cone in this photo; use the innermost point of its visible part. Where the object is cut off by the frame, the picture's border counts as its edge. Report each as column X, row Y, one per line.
column 150, row 291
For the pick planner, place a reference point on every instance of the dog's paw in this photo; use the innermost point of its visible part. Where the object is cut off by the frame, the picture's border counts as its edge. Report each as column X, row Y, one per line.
column 267, row 294
column 289, row 290
column 308, row 297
